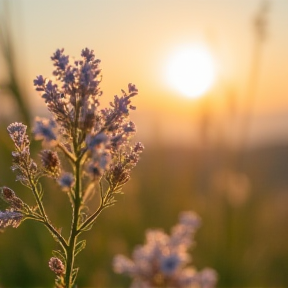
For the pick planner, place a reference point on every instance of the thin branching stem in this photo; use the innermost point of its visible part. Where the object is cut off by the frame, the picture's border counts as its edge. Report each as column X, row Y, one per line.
column 46, row 221
column 77, row 207
column 43, row 214
column 90, row 220
column 70, row 156
column 103, row 204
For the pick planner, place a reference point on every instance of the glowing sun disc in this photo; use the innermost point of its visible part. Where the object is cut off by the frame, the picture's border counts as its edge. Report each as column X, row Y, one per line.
column 191, row 71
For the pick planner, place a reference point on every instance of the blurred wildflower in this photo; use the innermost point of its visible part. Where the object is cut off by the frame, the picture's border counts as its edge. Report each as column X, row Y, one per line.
column 44, row 129
column 162, row 260
column 261, row 21
column 235, row 186
column 207, row 278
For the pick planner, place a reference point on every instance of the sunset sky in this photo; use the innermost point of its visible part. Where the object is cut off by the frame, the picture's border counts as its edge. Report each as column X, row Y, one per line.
column 136, row 40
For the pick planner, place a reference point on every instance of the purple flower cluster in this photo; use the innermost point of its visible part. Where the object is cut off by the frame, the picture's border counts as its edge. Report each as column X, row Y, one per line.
column 162, row 260
column 102, row 134
column 23, row 164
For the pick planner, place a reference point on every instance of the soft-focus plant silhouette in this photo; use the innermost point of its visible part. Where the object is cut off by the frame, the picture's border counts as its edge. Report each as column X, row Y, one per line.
column 162, row 260
column 12, row 85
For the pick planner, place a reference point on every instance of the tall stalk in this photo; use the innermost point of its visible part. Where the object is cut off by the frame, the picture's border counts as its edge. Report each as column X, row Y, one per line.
column 74, row 228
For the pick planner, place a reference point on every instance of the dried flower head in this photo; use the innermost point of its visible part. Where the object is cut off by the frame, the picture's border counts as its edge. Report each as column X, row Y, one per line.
column 8, row 195
column 56, row 265
column 51, row 163
column 124, row 162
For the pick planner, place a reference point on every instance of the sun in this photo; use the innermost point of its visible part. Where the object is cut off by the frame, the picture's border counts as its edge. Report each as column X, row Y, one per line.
column 191, row 71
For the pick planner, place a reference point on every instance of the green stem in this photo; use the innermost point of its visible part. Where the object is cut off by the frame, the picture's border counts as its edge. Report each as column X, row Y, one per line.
column 43, row 215
column 70, row 251
column 74, row 229
column 38, row 201
column 46, row 221
column 101, row 207
column 92, row 218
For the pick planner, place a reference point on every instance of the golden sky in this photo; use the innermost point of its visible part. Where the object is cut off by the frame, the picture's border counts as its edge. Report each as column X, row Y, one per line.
column 135, row 39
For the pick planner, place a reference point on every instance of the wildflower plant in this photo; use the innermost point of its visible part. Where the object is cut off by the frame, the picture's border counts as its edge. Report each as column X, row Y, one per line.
column 162, row 260
column 96, row 143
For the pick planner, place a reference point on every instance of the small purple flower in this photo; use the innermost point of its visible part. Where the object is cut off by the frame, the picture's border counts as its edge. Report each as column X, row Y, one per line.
column 93, row 170
column 86, row 76
column 39, row 81
column 66, row 181
column 96, row 140
column 132, row 88
column 50, row 87
column 44, row 129
column 129, row 127
column 88, row 54
column 122, row 104
column 10, row 218
column 60, row 60
column 170, row 263
column 138, row 147
column 69, row 77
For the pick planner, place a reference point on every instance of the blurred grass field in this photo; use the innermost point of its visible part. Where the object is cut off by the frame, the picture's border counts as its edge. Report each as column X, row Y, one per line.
column 243, row 237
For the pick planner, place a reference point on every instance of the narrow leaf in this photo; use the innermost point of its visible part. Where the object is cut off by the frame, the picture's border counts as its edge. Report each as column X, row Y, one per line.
column 74, row 274
column 80, row 246
column 59, row 254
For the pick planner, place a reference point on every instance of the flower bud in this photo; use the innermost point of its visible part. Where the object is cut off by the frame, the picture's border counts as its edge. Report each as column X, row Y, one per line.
column 56, row 265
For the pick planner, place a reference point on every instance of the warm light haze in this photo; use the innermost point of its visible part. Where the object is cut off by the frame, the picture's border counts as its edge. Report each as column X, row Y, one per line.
column 191, row 70
column 189, row 60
